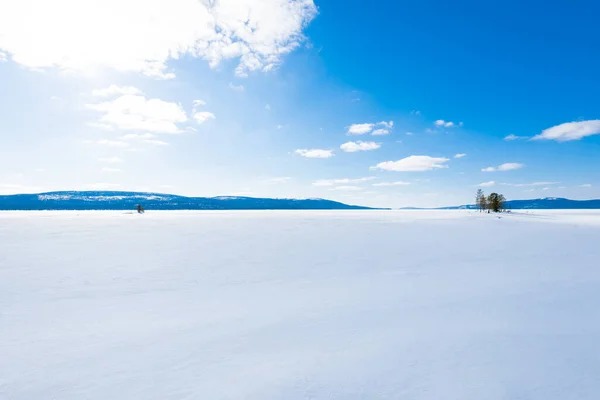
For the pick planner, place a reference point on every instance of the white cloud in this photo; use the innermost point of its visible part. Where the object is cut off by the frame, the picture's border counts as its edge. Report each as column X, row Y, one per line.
column 531, row 184
column 360, row 129
column 487, row 184
column 343, row 181
column 409, row 133
column 586, row 185
column 415, row 112
column 112, row 143
column 504, row 167
column 347, row 188
column 511, row 137
column 570, row 131
column 107, row 169
column 546, row 188
column 238, row 88
column 460, row 155
column 413, row 164
column 352, row 147
column 3, row 57
column 110, row 160
column 315, row 153
column 440, row 123
column 156, row 142
column 199, row 103
column 203, row 116
column 137, row 136
column 397, row 183
column 113, row 90
column 102, row 186
column 142, row 36
column 377, row 132
column 134, row 112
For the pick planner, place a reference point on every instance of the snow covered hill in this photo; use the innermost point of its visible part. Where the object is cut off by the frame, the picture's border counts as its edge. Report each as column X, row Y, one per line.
column 449, row 305
column 111, row 200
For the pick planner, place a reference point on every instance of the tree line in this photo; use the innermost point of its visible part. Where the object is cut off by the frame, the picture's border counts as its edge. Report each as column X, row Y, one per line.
column 494, row 202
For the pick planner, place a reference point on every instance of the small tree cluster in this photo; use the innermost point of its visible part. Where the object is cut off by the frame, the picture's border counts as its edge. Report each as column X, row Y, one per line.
column 494, row 202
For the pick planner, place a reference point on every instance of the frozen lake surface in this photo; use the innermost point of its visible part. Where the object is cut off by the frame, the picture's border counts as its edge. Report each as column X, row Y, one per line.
column 264, row 305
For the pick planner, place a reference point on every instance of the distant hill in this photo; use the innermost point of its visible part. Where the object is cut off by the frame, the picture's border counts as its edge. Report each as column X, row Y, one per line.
column 111, row 200
column 548, row 203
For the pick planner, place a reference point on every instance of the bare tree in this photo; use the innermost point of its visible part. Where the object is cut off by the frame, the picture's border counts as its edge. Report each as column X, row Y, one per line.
column 481, row 200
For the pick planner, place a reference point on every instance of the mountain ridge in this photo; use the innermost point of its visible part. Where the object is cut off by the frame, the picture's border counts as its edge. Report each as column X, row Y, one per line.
column 123, row 200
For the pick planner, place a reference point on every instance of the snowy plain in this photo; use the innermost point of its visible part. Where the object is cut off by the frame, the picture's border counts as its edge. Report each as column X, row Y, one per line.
column 300, row 305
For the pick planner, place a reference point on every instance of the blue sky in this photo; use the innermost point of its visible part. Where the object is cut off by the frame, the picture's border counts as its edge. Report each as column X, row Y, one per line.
column 282, row 98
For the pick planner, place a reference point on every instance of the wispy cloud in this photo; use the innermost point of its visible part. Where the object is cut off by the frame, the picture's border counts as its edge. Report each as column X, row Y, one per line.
column 236, row 88
column 586, row 185
column 347, row 188
column 487, row 184
column 112, row 143
column 570, row 131
column 315, row 153
column 460, row 155
column 203, row 116
column 504, row 167
column 511, row 137
column 137, row 136
column 414, row 164
column 531, row 184
column 279, row 179
column 352, row 147
column 397, row 183
column 343, row 181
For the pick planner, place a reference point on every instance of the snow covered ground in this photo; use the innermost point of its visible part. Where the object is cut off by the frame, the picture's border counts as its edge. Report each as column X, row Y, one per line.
column 300, row 305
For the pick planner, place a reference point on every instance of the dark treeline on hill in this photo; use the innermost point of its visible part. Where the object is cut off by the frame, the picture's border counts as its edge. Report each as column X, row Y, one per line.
column 110, row 200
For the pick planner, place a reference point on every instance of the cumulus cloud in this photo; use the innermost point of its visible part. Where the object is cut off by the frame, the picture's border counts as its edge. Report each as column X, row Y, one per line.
column 440, row 123
column 511, row 137
column 203, row 116
column 361, row 129
column 487, row 184
column 413, row 164
column 397, row 183
column 343, row 181
column 142, row 36
column 377, row 132
column 504, row 167
column 570, row 131
column 135, row 112
column 352, row 147
column 114, row 90
column 460, row 155
column 315, row 153
column 110, row 160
